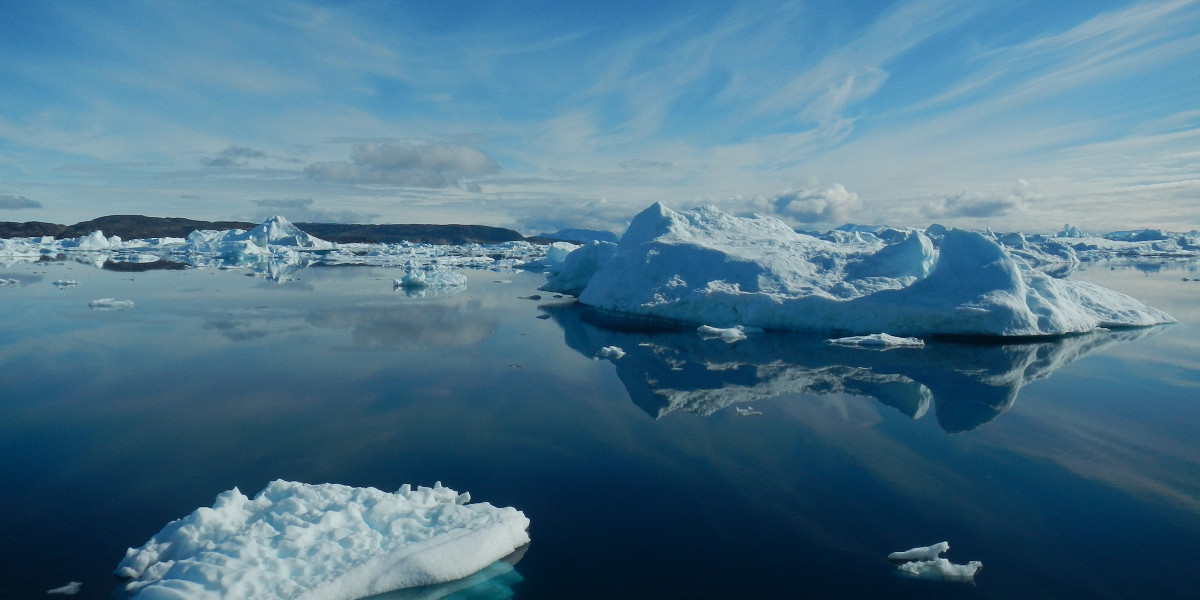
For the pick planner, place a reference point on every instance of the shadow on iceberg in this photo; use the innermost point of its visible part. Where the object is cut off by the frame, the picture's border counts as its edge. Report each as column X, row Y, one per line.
column 494, row 582
column 966, row 384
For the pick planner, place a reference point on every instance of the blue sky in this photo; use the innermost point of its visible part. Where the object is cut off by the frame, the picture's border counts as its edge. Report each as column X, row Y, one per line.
column 541, row 115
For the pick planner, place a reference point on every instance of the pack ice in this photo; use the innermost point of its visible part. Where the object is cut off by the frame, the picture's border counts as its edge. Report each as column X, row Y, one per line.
column 706, row 267
column 322, row 542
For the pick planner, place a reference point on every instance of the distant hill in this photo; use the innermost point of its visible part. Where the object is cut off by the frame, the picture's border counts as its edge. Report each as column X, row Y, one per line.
column 131, row 227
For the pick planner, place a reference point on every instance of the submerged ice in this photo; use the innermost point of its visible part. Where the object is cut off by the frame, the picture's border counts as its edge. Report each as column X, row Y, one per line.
column 704, row 266
column 318, row 542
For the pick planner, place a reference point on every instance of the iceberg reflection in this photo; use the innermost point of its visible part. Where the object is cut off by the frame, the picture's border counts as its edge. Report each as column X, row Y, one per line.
column 965, row 384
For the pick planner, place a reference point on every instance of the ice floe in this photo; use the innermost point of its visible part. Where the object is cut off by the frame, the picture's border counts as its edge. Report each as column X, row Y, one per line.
column 613, row 352
column 926, row 563
column 322, row 542
column 704, row 266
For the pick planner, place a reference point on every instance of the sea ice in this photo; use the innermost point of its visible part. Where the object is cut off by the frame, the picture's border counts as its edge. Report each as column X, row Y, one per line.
column 926, row 563
column 704, row 266
column 322, row 542
column 878, row 340
column 613, row 352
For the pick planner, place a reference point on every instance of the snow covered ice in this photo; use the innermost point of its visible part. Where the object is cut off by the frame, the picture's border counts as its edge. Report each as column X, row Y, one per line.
column 703, row 266
column 322, row 542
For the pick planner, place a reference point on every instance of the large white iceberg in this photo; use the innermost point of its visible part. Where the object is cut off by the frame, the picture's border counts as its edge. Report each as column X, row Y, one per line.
column 704, row 266
column 322, row 542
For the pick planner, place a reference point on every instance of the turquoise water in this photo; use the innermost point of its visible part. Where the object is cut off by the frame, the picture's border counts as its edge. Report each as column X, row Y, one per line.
column 1070, row 468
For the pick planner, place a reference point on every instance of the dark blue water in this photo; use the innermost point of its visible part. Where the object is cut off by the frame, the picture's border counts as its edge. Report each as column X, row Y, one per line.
column 1071, row 468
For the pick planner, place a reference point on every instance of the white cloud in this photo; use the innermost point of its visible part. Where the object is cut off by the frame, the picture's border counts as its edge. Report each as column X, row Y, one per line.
column 428, row 164
column 975, row 205
column 830, row 204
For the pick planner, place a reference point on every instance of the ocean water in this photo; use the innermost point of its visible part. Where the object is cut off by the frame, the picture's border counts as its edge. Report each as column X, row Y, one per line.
column 1069, row 468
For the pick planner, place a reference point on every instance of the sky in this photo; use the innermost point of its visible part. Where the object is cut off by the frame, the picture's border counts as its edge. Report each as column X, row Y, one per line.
column 537, row 116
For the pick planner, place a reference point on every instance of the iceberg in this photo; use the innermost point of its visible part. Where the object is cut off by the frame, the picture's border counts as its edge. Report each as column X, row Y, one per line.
column 926, row 563
column 322, row 542
column 704, row 266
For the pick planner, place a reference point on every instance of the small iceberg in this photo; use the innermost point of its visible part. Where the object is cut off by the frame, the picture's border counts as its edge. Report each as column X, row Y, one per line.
column 322, row 542
column 110, row 304
column 748, row 411
column 613, row 352
column 728, row 335
column 67, row 590
column 429, row 276
column 878, row 340
column 926, row 563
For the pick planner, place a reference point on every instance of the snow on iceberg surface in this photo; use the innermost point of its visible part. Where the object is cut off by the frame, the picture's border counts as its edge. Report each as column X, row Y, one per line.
column 704, row 266
column 322, row 542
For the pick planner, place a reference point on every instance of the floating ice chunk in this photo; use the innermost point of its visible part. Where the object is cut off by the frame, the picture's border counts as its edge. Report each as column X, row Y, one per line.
column 67, row 590
column 747, row 411
column 878, row 340
column 4, row 282
column 725, row 334
column 110, row 304
column 64, row 283
column 322, row 542
column 613, row 352
column 926, row 563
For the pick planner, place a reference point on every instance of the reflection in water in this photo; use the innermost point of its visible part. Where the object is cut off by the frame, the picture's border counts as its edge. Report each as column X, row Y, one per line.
column 967, row 384
column 411, row 326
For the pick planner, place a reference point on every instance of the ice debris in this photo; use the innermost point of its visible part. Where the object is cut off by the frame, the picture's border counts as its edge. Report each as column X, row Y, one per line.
column 613, row 352
column 704, row 266
column 322, row 542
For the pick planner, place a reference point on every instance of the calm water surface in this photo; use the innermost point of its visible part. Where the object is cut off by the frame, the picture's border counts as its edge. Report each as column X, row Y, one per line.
column 1071, row 469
